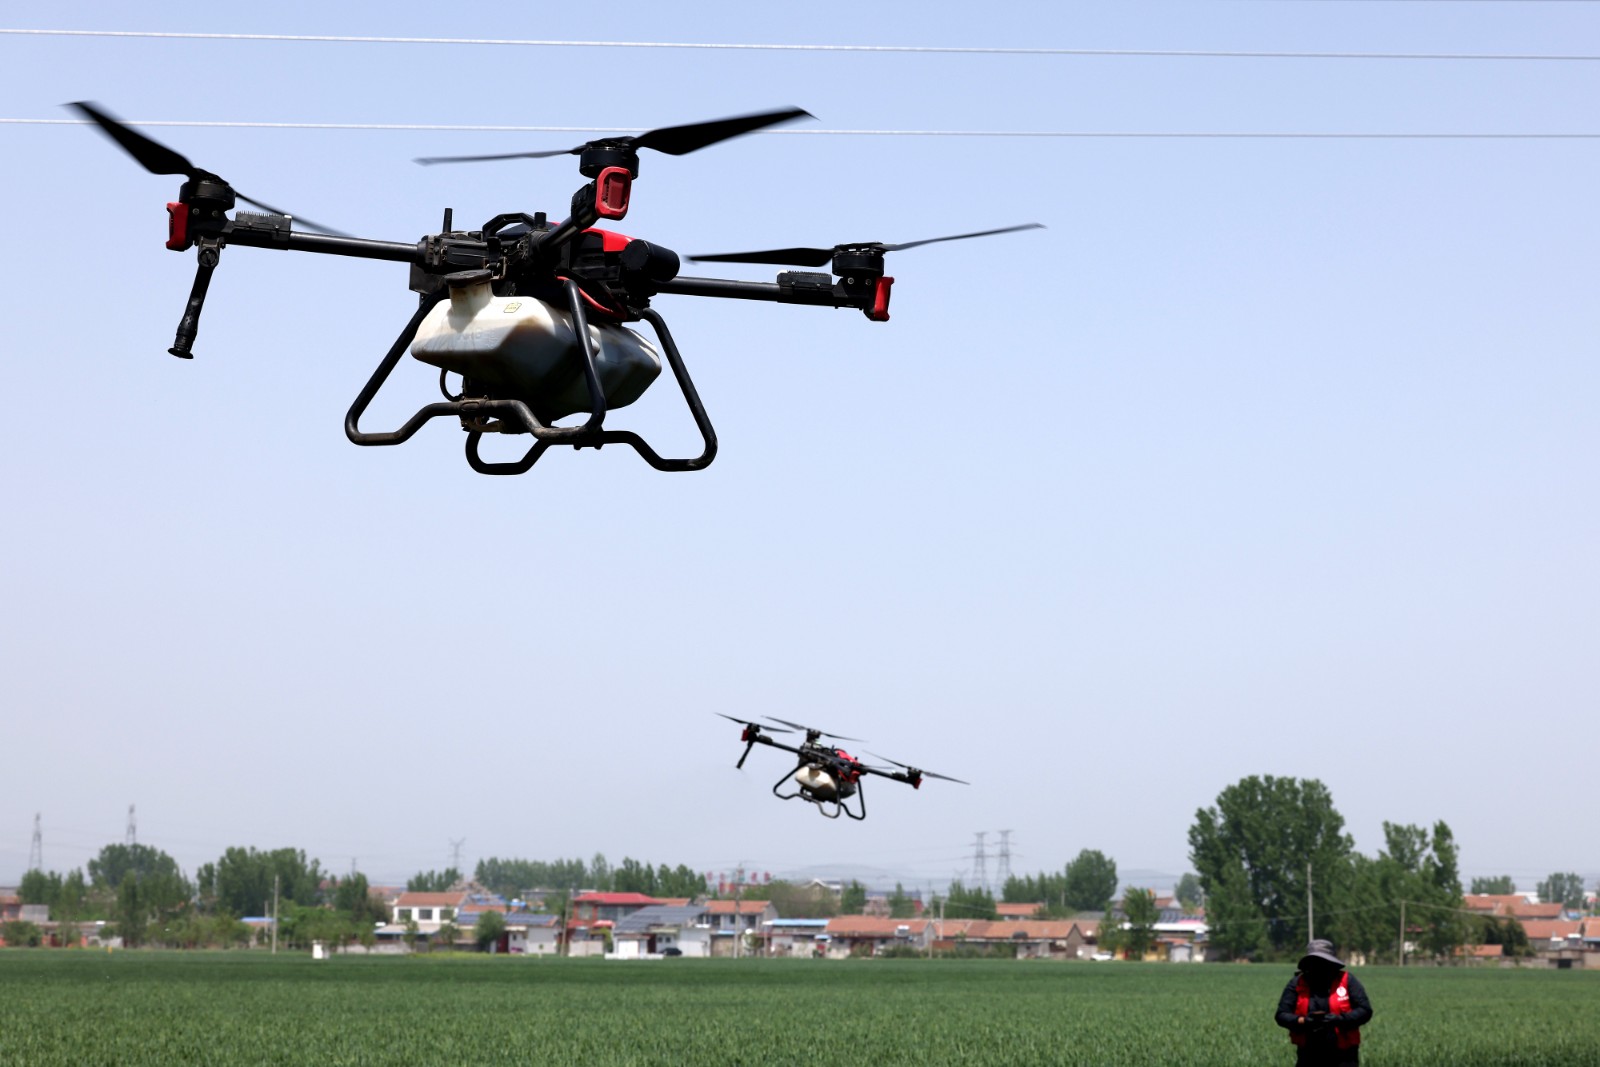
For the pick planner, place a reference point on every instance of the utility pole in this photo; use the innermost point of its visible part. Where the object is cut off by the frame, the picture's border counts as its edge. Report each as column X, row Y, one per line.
column 1311, row 925
column 36, row 849
column 274, row 914
column 1402, row 933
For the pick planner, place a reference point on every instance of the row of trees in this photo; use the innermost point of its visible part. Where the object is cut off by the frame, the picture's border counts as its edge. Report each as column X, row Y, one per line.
column 1563, row 887
column 138, row 893
column 1087, row 883
column 512, row 877
column 1272, row 853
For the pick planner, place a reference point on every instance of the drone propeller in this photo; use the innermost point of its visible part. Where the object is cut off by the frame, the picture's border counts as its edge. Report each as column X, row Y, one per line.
column 754, row 725
column 817, row 257
column 157, row 158
column 917, row 772
column 672, row 140
column 813, row 730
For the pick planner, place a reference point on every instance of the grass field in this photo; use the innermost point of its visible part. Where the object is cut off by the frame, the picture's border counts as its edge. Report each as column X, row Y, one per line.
column 136, row 1008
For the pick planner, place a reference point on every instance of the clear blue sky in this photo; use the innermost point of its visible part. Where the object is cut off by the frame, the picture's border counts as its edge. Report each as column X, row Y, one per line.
column 1268, row 456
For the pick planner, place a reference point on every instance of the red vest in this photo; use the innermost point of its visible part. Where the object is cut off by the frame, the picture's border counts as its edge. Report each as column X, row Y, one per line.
column 1345, row 1037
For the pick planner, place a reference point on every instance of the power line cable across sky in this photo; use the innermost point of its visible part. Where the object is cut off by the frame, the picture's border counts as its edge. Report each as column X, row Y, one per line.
column 1302, row 135
column 1149, row 53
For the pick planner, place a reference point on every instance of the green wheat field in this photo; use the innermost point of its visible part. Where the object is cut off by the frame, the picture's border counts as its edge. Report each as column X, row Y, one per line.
column 230, row 1008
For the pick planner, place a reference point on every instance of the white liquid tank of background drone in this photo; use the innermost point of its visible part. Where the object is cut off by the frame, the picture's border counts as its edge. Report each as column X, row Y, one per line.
column 529, row 350
column 815, row 779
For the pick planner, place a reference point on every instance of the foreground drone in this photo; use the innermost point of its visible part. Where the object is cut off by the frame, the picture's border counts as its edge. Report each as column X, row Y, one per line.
column 528, row 314
column 826, row 776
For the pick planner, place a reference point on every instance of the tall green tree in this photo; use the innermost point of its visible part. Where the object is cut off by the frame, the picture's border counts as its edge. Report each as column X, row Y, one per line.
column 901, row 906
column 240, row 882
column 1188, row 892
column 599, row 873
column 133, row 913
column 156, row 872
column 1048, row 888
column 1564, row 888
column 853, row 899
column 1090, row 881
column 1282, row 832
column 1500, row 885
column 37, row 887
column 487, row 930
column 1237, row 927
column 1139, row 905
column 1420, row 869
column 962, row 902
column 352, row 897
column 513, row 877
column 1507, row 933
column 1351, row 909
column 73, row 902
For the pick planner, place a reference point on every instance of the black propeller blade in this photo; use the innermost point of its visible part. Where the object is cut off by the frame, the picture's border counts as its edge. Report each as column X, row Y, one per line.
column 817, row 257
column 813, row 730
column 919, row 771
column 754, row 725
column 672, row 140
column 157, row 158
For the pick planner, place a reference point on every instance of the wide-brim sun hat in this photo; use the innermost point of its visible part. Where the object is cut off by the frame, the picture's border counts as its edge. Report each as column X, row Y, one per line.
column 1320, row 950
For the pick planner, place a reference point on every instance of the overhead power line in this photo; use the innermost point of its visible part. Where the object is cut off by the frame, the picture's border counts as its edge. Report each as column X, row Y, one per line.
column 1152, row 53
column 1198, row 135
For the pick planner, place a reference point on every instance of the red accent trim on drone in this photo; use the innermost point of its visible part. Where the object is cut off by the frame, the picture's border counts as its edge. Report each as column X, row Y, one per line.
column 880, row 301
column 745, row 734
column 916, row 783
column 177, row 226
column 611, row 192
column 611, row 242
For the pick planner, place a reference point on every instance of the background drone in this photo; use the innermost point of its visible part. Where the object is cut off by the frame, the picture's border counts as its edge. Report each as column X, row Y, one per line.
column 826, row 775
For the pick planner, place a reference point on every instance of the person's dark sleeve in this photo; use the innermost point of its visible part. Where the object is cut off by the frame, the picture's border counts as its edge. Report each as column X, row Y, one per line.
column 1286, row 1017
column 1360, row 1012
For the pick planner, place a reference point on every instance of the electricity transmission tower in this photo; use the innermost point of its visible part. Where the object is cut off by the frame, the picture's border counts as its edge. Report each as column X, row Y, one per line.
column 131, row 838
column 1003, row 874
column 36, row 849
column 980, row 862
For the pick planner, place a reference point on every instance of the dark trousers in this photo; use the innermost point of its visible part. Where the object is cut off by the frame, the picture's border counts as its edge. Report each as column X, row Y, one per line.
column 1327, row 1057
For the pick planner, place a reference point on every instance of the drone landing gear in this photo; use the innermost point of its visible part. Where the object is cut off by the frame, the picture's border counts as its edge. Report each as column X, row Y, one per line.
column 516, row 417
column 837, row 802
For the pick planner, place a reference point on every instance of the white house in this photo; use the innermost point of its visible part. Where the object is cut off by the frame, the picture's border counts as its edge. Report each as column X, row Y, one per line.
column 662, row 930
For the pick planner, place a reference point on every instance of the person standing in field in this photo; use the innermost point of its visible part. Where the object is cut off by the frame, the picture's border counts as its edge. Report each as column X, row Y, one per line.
column 1324, row 1007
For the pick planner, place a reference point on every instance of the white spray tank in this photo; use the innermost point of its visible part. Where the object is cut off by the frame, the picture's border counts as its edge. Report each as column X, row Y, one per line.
column 525, row 349
column 817, row 780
